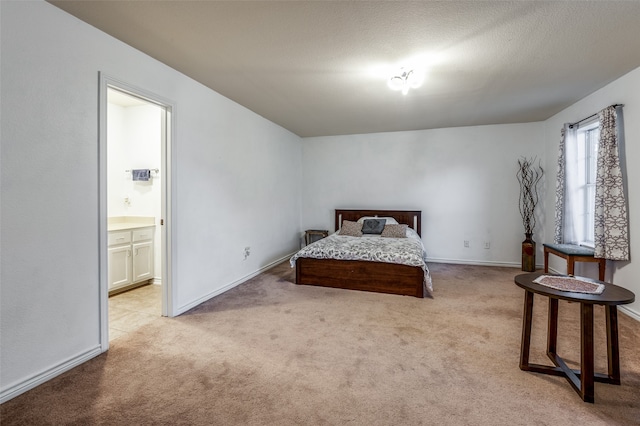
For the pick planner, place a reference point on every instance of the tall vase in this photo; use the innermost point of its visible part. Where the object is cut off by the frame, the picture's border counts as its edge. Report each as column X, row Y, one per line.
column 528, row 254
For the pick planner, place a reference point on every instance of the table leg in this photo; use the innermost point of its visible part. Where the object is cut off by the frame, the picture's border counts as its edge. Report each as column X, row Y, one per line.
column 527, row 316
column 613, row 352
column 546, row 260
column 602, row 264
column 552, row 335
column 586, row 352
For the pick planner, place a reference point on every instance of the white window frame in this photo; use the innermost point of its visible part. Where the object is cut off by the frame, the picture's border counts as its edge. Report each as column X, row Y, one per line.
column 587, row 137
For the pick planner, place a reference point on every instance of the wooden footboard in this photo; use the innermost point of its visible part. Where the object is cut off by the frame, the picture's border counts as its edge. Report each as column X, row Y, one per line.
column 361, row 275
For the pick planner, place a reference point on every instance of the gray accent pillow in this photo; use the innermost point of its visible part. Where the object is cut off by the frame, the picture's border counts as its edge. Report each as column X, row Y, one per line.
column 351, row 229
column 373, row 226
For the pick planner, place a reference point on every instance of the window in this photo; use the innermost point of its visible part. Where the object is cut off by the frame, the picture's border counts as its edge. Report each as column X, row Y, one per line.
column 580, row 165
column 587, row 137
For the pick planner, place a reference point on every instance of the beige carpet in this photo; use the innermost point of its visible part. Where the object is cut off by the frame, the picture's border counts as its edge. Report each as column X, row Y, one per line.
column 272, row 353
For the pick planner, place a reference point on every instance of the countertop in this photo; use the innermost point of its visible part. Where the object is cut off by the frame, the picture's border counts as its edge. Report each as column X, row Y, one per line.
column 123, row 223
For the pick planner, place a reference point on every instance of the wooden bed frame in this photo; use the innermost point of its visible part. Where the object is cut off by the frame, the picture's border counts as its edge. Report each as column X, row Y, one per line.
column 364, row 275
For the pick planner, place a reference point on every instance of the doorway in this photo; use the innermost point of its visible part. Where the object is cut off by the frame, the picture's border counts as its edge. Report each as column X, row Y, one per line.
column 135, row 261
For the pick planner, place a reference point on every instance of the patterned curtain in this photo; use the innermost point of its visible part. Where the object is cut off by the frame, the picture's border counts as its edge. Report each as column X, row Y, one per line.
column 566, row 187
column 560, row 191
column 611, row 221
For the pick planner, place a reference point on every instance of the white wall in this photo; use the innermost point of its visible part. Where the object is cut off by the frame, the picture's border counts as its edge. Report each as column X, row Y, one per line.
column 134, row 142
column 625, row 90
column 463, row 180
column 117, row 160
column 237, row 184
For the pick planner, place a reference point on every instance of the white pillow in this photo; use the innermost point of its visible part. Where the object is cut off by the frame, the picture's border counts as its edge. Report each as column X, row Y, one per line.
column 388, row 220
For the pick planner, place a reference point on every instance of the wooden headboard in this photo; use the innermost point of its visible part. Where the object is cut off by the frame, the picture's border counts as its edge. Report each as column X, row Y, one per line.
column 409, row 217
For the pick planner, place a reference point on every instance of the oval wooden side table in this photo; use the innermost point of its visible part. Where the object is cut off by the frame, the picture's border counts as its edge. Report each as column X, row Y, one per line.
column 581, row 380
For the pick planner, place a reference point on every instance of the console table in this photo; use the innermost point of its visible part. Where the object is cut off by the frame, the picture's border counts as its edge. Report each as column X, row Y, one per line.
column 573, row 253
column 581, row 380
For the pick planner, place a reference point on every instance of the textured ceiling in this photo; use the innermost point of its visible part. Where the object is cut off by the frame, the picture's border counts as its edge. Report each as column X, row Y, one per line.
column 316, row 67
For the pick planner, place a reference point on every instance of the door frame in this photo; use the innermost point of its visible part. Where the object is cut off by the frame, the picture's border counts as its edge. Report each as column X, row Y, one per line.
column 168, row 201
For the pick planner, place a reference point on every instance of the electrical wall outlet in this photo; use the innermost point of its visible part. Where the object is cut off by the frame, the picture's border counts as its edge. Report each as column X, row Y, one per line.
column 487, row 245
column 247, row 252
column 466, row 243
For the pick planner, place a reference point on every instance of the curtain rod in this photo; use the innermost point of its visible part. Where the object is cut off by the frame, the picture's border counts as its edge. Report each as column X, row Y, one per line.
column 592, row 115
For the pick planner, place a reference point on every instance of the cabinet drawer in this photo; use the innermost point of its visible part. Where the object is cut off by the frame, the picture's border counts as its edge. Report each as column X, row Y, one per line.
column 142, row 234
column 123, row 237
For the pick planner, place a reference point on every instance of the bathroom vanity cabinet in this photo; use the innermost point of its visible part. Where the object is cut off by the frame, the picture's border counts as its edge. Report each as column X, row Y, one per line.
column 131, row 257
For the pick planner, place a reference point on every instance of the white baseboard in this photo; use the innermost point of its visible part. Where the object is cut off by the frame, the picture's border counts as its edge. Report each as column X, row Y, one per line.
column 157, row 281
column 191, row 305
column 630, row 312
column 184, row 308
column 478, row 262
column 21, row 387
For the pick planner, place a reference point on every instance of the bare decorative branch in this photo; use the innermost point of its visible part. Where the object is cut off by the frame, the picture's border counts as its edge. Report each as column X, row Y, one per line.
column 529, row 175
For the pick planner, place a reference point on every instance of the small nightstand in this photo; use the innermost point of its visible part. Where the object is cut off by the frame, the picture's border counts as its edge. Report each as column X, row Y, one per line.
column 313, row 235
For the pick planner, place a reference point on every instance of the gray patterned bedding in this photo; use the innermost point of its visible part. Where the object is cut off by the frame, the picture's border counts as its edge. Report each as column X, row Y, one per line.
column 406, row 251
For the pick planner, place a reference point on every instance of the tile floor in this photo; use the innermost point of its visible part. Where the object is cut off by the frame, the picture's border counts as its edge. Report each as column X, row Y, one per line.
column 131, row 310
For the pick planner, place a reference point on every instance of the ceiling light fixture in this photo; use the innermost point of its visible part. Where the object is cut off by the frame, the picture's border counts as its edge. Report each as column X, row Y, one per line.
column 404, row 80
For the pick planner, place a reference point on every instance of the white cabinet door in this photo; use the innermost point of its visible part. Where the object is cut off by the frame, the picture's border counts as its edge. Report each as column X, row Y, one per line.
column 143, row 261
column 131, row 259
column 119, row 266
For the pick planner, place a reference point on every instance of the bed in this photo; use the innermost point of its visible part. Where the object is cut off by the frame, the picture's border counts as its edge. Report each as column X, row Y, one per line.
column 367, row 275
